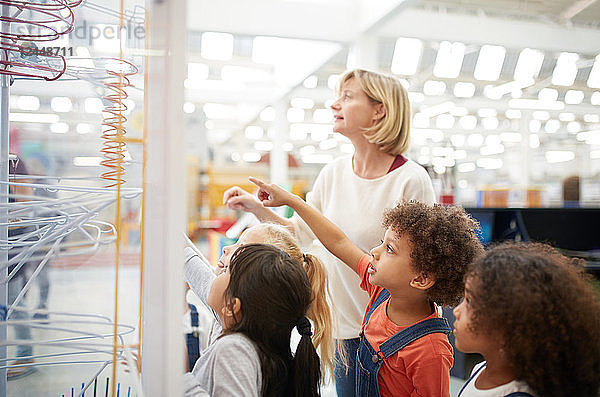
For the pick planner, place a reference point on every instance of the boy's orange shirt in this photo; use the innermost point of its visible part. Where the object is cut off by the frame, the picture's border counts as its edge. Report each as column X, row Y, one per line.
column 421, row 368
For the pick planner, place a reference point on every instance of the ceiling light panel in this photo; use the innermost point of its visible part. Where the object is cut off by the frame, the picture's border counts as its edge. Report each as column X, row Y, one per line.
column 449, row 59
column 489, row 63
column 407, row 54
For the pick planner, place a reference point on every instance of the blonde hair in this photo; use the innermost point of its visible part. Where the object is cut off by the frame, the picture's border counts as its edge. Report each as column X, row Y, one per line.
column 319, row 311
column 392, row 132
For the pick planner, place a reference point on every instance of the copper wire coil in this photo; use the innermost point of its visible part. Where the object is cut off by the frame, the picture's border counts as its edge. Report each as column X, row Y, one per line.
column 114, row 144
column 51, row 13
column 22, row 68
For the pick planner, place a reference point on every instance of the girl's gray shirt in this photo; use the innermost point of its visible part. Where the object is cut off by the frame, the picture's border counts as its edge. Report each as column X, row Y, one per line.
column 228, row 367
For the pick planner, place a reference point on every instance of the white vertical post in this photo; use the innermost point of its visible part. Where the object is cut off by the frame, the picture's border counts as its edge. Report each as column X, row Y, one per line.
column 279, row 158
column 4, row 106
column 164, row 217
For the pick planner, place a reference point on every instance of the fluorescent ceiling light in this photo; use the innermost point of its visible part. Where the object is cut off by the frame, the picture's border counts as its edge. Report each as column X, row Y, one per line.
column 427, row 133
column 487, row 112
column 84, row 128
column 458, row 140
column 407, row 54
column 489, row 163
column 322, row 116
column 197, row 71
column 491, row 150
column 535, row 104
column 594, row 78
column 591, row 118
column 513, row 114
column 590, row 137
column 311, row 82
column 33, row 117
column 317, row 158
column 535, row 125
column 464, row 90
column 489, row 62
column 85, row 161
column 307, row 150
column 28, row 102
column 449, row 59
column 459, row 111
column 415, row 97
column 304, row 103
column 93, row 105
column 475, row 140
column 218, row 111
column 319, row 132
column 511, row 137
column 490, row 123
column 552, row 126
column 61, row 104
column 444, row 121
column 189, row 107
column 574, row 97
column 295, row 115
column 468, row 122
column 214, row 85
column 595, row 98
column 254, row 132
column 328, row 144
column 216, row 46
column 251, row 157
column 459, row 154
column 420, row 120
column 574, row 127
column 541, row 115
column 263, row 146
column 435, row 110
column 559, row 156
column 566, row 117
column 534, row 141
column 528, row 65
column 548, row 95
column 565, row 70
column 332, row 81
column 59, row 128
column 267, row 114
column 244, row 74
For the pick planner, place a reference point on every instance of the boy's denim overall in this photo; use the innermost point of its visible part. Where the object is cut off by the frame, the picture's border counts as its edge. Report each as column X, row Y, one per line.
column 515, row 394
column 369, row 361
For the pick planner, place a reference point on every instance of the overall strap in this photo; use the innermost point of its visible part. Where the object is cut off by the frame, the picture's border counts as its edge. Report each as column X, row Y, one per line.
column 193, row 315
column 412, row 333
column 383, row 295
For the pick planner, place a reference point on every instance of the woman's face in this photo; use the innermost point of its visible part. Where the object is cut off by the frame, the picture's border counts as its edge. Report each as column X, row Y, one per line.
column 353, row 111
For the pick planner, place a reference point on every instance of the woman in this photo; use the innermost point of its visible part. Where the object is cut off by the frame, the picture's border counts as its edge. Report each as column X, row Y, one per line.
column 373, row 112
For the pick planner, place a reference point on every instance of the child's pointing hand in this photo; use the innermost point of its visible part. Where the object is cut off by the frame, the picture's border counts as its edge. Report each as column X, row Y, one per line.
column 270, row 194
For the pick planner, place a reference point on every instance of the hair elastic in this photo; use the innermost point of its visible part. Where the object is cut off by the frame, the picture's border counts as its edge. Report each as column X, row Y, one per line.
column 304, row 327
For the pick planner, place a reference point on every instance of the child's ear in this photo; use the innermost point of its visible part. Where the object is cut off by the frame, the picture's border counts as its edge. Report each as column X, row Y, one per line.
column 233, row 308
column 422, row 281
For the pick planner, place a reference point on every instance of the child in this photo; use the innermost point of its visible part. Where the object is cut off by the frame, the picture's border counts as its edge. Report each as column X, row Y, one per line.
column 424, row 255
column 536, row 321
column 198, row 274
column 259, row 298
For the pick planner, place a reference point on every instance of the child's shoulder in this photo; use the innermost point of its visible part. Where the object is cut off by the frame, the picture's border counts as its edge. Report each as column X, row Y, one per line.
column 234, row 342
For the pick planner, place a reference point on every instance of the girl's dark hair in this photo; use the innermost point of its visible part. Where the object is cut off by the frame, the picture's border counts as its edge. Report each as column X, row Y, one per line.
column 547, row 314
column 275, row 294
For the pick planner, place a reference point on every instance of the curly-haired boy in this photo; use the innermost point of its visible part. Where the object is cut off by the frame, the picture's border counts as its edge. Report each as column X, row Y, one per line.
column 421, row 262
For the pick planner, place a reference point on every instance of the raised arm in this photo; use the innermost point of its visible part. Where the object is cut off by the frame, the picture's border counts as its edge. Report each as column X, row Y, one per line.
column 237, row 198
column 332, row 237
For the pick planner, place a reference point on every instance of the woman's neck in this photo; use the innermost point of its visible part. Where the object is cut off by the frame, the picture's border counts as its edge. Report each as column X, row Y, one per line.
column 368, row 161
column 407, row 310
column 497, row 371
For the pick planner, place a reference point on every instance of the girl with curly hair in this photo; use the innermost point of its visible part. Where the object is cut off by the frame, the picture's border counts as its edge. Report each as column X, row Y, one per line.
column 425, row 252
column 535, row 319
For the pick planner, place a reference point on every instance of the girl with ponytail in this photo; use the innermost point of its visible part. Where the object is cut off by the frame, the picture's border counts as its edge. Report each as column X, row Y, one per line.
column 260, row 297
